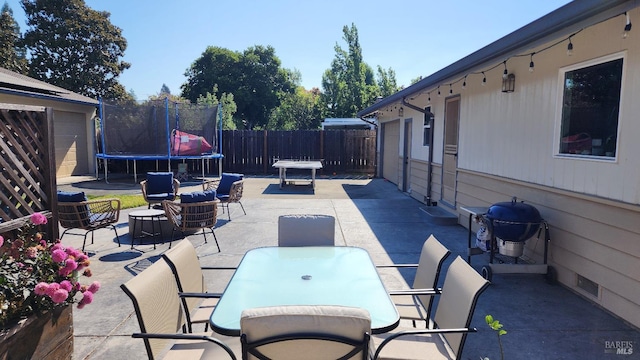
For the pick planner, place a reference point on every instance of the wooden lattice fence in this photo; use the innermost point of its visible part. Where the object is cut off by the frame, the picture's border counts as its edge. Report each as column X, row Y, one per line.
column 27, row 157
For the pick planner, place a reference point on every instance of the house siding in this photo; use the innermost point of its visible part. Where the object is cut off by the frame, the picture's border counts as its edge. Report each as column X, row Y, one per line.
column 590, row 236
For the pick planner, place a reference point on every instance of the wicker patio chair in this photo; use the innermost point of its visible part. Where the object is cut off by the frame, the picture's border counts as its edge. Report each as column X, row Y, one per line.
column 306, row 230
column 159, row 186
column 160, row 316
column 88, row 215
column 228, row 190
column 305, row 332
column 415, row 303
column 189, row 276
column 189, row 217
column 446, row 335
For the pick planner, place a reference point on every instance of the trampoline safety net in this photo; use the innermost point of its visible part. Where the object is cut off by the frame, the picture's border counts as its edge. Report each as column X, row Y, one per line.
column 146, row 128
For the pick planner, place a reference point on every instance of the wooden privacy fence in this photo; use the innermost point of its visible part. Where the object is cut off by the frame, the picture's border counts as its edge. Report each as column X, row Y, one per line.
column 27, row 157
column 343, row 151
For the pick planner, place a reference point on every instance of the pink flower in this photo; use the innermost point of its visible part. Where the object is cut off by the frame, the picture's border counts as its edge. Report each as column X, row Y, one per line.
column 1, row 241
column 38, row 219
column 66, row 284
column 71, row 264
column 87, row 297
column 56, row 246
column 31, row 252
column 73, row 252
column 43, row 243
column 41, row 288
column 80, row 305
column 94, row 287
column 60, row 295
column 52, row 288
column 58, row 255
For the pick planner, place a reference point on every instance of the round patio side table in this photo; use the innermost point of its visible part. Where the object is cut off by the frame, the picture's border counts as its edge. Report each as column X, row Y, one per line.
column 139, row 218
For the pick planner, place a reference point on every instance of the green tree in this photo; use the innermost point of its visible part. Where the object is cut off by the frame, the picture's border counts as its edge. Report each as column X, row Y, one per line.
column 297, row 111
column 229, row 107
column 387, row 82
column 12, row 54
column 349, row 85
column 75, row 47
column 254, row 77
column 165, row 89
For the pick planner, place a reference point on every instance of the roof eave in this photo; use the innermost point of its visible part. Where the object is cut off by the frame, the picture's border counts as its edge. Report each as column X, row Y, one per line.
column 563, row 21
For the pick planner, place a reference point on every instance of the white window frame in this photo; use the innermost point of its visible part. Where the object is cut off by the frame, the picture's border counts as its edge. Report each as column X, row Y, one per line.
column 558, row 127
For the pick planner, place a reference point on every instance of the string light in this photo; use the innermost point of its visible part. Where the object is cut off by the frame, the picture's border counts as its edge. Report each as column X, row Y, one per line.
column 438, row 90
column 531, row 65
column 464, row 83
column 429, row 97
column 505, row 72
column 570, row 47
column 484, row 79
column 627, row 27
column 450, row 90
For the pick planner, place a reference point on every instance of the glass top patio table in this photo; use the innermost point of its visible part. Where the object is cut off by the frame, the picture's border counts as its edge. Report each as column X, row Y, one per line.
column 307, row 275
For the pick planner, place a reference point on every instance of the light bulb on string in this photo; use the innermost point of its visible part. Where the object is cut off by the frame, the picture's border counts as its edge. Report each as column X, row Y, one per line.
column 439, row 91
column 450, row 89
column 429, row 97
column 464, row 82
column 570, row 48
column 484, row 79
column 531, row 65
column 505, row 72
column 627, row 27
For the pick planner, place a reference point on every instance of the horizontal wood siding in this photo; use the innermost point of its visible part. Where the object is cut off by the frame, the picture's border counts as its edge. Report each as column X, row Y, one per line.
column 419, row 179
column 596, row 238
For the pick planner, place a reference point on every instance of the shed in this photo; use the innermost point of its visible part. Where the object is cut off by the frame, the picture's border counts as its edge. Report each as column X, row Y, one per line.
column 74, row 127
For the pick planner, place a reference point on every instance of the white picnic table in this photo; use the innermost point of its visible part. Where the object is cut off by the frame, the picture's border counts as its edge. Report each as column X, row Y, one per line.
column 283, row 165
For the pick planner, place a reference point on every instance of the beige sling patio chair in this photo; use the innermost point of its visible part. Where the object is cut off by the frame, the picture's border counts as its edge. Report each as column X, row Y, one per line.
column 415, row 304
column 160, row 316
column 189, row 217
column 185, row 265
column 446, row 335
column 309, row 332
column 306, row 230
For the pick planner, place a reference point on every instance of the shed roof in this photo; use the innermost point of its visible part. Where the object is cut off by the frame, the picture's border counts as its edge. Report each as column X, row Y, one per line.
column 14, row 83
column 564, row 21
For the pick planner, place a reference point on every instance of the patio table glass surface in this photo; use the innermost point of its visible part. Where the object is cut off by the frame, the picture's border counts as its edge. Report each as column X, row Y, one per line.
column 307, row 275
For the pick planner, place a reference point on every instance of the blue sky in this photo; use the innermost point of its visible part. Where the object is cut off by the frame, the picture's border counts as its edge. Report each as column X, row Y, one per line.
column 414, row 37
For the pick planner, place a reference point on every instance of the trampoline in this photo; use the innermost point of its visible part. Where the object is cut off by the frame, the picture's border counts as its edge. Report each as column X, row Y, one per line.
column 158, row 130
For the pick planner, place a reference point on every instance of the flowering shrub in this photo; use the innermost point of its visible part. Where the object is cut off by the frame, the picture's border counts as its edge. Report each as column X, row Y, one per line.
column 37, row 275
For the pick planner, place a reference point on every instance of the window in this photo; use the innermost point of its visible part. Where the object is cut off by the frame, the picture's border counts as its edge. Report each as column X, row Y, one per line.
column 590, row 107
column 426, row 129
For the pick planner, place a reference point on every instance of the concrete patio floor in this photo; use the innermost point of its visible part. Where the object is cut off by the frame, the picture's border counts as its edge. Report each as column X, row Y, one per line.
column 543, row 321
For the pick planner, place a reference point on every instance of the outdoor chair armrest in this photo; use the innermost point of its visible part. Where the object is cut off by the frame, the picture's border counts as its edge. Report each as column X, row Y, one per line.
column 200, row 295
column 210, row 184
column 419, row 332
column 185, row 337
column 217, row 268
column 101, row 206
column 436, row 291
column 398, row 266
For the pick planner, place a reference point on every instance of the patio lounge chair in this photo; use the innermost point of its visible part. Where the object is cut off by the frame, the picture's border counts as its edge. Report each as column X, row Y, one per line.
column 305, row 332
column 415, row 303
column 76, row 212
column 185, row 265
column 196, row 211
column 306, row 230
column 445, row 337
column 159, row 186
column 160, row 316
column 228, row 190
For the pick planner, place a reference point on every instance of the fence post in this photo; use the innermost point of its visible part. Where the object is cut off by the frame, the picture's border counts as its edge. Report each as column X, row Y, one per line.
column 265, row 156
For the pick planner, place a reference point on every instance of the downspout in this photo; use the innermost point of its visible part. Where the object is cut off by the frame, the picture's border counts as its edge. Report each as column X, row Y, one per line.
column 375, row 125
column 428, row 115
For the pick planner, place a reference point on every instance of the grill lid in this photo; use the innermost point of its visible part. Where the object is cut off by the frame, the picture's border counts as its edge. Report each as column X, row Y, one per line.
column 514, row 221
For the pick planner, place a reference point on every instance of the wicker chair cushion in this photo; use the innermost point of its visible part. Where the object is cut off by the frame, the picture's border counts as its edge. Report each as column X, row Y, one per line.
column 226, row 181
column 198, row 196
column 159, row 183
column 70, row 196
column 75, row 197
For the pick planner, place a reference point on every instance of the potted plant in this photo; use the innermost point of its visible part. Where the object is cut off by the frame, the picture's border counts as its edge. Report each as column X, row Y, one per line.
column 39, row 282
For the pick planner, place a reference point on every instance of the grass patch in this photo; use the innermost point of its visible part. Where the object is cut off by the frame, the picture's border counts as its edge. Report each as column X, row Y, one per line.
column 126, row 201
